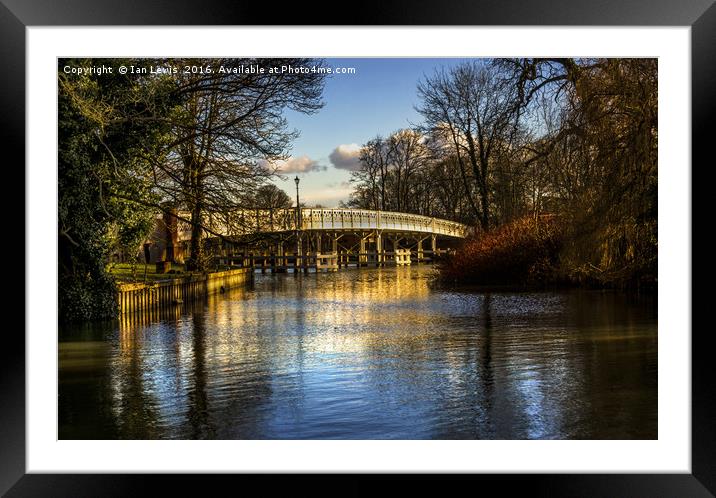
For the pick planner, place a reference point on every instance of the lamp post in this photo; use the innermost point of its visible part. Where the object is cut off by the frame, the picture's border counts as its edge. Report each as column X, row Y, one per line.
column 298, row 205
column 298, row 227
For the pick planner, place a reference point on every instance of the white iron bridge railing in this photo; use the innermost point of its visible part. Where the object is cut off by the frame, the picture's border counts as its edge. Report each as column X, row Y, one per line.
column 243, row 222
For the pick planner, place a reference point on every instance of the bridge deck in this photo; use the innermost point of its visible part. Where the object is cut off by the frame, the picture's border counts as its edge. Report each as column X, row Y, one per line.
column 336, row 219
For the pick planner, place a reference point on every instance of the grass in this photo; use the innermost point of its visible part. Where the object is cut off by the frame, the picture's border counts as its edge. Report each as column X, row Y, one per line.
column 132, row 273
column 128, row 272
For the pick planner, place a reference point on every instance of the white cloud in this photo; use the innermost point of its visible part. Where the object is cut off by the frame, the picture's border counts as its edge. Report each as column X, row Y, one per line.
column 302, row 164
column 346, row 156
column 328, row 197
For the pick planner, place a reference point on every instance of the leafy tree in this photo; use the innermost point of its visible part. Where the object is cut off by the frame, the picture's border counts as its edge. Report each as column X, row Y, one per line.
column 107, row 128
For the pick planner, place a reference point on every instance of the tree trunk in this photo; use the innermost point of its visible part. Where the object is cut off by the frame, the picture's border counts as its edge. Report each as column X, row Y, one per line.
column 196, row 261
column 485, row 203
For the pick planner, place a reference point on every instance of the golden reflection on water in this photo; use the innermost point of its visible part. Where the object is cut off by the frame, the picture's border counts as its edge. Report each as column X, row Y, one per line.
column 368, row 354
column 338, row 307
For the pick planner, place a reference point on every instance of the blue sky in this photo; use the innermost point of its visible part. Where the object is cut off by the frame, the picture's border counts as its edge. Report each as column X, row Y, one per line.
column 378, row 99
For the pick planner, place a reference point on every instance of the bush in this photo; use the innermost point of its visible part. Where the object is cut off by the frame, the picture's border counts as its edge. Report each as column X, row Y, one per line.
column 93, row 297
column 524, row 251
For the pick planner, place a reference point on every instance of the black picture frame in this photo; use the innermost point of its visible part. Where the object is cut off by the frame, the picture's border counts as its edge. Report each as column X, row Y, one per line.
column 16, row 15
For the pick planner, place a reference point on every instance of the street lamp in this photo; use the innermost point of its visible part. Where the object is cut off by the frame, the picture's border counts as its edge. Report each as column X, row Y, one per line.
column 298, row 227
column 298, row 205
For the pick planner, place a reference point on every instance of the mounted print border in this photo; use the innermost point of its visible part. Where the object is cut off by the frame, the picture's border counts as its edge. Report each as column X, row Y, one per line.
column 16, row 15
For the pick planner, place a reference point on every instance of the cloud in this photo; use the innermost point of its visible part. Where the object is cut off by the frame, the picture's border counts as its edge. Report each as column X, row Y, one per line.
column 346, row 156
column 327, row 198
column 302, row 164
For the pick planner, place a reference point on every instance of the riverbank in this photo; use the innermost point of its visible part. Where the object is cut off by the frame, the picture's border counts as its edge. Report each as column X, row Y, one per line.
column 540, row 254
column 156, row 294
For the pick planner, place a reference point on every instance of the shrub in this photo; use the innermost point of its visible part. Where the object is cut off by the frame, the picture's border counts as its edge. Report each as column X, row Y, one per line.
column 524, row 251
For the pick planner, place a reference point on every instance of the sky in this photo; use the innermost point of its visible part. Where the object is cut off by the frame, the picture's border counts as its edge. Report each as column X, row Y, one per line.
column 379, row 98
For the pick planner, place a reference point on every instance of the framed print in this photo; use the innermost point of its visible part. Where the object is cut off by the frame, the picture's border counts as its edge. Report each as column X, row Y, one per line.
column 431, row 238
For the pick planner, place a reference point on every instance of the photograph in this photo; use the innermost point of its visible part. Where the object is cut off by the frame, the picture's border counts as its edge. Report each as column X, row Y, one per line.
column 367, row 248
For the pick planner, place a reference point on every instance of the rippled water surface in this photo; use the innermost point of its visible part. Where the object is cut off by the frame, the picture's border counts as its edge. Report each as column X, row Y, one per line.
column 368, row 354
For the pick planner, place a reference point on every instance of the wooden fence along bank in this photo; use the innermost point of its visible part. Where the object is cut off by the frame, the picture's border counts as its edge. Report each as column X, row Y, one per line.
column 134, row 297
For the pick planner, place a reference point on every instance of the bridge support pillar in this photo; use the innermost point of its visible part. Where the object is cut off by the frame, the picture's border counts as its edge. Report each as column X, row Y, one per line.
column 334, row 248
column 380, row 254
column 362, row 257
column 396, row 245
column 281, row 258
column 420, row 250
column 306, row 253
column 296, row 262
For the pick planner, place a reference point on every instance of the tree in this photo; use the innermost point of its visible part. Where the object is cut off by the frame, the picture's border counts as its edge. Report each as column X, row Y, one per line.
column 229, row 125
column 391, row 174
column 448, row 189
column 108, row 127
column 603, row 159
column 372, row 177
column 408, row 156
column 269, row 196
column 475, row 111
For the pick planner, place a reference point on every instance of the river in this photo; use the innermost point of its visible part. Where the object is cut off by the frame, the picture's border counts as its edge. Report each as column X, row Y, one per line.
column 367, row 354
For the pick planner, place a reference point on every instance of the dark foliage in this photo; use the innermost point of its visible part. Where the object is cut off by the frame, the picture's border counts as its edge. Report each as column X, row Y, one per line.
column 522, row 252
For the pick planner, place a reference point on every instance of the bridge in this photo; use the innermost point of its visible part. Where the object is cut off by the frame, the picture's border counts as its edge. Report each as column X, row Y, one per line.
column 319, row 238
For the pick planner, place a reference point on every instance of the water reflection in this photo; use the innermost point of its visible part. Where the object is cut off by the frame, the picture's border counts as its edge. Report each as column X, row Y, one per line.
column 367, row 354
